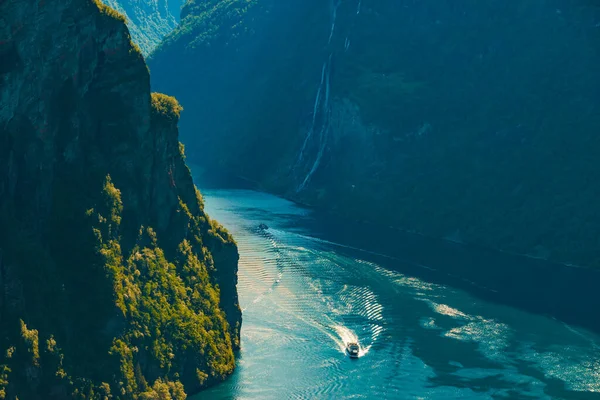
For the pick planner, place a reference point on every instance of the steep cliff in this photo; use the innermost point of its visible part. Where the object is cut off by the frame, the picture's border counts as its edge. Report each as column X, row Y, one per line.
column 475, row 121
column 149, row 21
column 113, row 280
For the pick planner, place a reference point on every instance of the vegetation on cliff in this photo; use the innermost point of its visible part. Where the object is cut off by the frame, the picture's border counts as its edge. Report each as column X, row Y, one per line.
column 148, row 21
column 132, row 330
column 204, row 23
column 114, row 283
column 104, row 9
column 166, row 106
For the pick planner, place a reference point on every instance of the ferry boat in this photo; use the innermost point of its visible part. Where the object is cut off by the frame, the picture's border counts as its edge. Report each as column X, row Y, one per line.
column 352, row 349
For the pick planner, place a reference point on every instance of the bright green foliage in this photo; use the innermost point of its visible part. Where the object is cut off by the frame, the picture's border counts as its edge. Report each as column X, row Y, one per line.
column 217, row 230
column 111, row 197
column 166, row 106
column 199, row 197
column 164, row 390
column 182, row 150
column 206, row 22
column 170, row 308
column 148, row 21
column 165, row 312
column 116, row 16
column 135, row 49
column 94, row 301
column 4, row 371
column 31, row 340
column 56, row 356
column 106, row 10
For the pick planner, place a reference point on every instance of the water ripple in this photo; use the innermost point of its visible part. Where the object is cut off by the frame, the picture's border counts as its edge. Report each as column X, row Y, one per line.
column 304, row 298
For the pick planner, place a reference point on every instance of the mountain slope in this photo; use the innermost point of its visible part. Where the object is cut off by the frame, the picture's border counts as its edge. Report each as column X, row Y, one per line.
column 475, row 121
column 149, row 21
column 113, row 280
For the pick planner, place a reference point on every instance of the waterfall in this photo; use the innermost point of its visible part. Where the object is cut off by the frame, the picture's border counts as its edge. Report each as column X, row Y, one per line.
column 321, row 118
column 327, row 83
column 323, row 71
column 323, row 138
column 314, row 119
column 336, row 4
column 324, row 132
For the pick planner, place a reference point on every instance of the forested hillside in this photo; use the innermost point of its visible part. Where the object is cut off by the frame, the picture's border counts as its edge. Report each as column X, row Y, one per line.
column 114, row 283
column 475, row 121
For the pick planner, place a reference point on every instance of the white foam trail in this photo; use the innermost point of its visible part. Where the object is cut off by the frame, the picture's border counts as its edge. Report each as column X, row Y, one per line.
column 346, row 336
column 358, row 8
column 446, row 310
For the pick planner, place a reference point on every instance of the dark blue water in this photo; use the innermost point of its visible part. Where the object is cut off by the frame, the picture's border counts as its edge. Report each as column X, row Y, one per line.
column 303, row 297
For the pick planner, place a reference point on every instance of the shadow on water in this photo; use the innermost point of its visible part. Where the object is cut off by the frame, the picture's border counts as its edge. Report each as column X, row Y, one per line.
column 310, row 283
column 558, row 290
column 561, row 291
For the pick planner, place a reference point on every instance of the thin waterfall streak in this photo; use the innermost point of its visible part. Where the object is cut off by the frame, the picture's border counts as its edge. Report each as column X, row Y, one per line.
column 322, row 106
column 325, row 126
column 323, row 140
column 327, row 85
column 331, row 34
column 336, row 4
column 319, row 94
column 323, row 135
column 314, row 119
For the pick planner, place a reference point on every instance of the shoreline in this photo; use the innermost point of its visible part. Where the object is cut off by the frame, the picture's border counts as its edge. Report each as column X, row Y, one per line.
column 533, row 284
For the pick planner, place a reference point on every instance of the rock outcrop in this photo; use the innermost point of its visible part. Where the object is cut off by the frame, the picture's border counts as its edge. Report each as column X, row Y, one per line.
column 113, row 280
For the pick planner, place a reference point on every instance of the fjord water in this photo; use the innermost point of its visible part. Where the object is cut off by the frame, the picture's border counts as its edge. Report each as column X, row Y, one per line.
column 303, row 297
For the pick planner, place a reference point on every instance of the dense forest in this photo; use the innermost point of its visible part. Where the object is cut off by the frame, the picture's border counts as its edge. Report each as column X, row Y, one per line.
column 114, row 283
column 473, row 121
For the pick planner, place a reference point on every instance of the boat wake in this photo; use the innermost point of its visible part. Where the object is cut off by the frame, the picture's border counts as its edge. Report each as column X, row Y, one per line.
column 345, row 336
column 306, row 298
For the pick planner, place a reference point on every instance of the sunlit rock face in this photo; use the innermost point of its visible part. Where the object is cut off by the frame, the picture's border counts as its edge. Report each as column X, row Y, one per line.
column 470, row 120
column 148, row 21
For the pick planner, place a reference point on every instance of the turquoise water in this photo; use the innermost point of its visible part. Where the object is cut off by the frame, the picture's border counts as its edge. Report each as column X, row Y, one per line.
column 303, row 297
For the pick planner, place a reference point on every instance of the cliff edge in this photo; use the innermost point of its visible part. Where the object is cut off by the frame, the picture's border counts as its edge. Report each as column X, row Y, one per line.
column 113, row 280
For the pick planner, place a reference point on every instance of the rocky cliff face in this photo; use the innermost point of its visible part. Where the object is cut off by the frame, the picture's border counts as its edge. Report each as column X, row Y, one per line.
column 148, row 21
column 113, row 280
column 475, row 121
